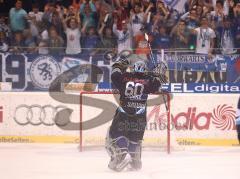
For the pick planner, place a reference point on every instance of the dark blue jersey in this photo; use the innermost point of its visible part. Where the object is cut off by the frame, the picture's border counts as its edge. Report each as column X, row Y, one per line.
column 134, row 89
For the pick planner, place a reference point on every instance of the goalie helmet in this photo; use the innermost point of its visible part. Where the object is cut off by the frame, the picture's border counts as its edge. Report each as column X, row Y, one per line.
column 139, row 67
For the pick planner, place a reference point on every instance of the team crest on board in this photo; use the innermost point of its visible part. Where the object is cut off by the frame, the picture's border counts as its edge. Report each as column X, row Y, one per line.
column 43, row 71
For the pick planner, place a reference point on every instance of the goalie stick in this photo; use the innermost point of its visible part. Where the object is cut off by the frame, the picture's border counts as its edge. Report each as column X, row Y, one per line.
column 151, row 53
column 154, row 62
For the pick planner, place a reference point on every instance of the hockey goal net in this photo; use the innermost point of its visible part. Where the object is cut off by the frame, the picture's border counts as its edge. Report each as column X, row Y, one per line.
column 98, row 108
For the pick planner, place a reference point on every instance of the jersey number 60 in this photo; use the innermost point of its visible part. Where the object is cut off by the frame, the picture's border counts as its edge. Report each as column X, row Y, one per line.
column 134, row 89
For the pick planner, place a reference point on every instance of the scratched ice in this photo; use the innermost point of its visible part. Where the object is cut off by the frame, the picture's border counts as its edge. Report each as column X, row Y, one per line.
column 45, row 161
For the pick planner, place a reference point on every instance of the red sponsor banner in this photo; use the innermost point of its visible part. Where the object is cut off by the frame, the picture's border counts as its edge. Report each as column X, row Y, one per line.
column 222, row 117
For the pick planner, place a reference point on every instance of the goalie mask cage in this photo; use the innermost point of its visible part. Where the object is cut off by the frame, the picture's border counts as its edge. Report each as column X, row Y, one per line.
column 97, row 110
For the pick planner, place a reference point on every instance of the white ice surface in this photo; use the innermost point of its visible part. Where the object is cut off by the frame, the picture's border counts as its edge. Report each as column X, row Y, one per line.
column 54, row 161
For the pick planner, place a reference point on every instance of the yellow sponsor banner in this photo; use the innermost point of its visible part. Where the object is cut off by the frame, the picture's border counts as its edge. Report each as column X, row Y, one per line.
column 207, row 142
column 39, row 139
column 79, row 86
column 92, row 140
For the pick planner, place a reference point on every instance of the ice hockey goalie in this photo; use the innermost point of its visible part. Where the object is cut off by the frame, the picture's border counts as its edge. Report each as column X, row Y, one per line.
column 125, row 135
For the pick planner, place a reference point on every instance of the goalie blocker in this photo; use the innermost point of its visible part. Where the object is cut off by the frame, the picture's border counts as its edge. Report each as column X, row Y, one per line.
column 124, row 138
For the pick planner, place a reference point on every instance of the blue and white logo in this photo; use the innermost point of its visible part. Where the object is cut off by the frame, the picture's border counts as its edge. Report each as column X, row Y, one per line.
column 43, row 71
column 171, row 3
column 202, row 88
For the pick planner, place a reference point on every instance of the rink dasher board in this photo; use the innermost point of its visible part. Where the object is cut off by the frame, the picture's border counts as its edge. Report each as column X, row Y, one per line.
column 197, row 111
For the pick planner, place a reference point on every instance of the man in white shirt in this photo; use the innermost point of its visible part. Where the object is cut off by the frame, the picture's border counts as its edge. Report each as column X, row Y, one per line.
column 35, row 18
column 35, row 14
column 124, row 36
column 205, row 38
column 137, row 19
column 72, row 29
column 226, row 5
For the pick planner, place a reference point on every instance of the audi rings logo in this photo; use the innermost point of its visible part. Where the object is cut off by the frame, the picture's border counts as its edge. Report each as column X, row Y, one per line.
column 39, row 115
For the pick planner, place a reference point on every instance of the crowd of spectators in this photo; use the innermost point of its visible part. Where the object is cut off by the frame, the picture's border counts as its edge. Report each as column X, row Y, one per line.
column 206, row 26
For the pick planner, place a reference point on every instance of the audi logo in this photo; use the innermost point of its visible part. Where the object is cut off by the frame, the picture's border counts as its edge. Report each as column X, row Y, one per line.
column 37, row 115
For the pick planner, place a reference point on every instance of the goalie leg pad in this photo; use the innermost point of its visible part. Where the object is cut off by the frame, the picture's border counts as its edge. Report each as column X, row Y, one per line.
column 114, row 146
column 135, row 151
column 117, row 149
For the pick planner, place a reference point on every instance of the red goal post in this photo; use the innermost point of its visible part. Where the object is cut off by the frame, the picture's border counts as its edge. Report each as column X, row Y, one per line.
column 94, row 136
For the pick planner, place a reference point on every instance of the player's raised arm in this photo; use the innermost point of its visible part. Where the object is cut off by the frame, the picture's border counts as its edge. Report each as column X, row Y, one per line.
column 118, row 68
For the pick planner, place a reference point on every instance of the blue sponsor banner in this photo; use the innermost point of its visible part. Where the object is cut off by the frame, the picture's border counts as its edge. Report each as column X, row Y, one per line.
column 202, row 88
column 193, row 62
column 197, row 62
column 33, row 72
column 220, row 63
column 191, row 87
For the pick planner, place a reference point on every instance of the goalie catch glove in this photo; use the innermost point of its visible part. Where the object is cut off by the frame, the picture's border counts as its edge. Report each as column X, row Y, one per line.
column 160, row 69
column 162, row 79
column 122, row 64
column 160, row 72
